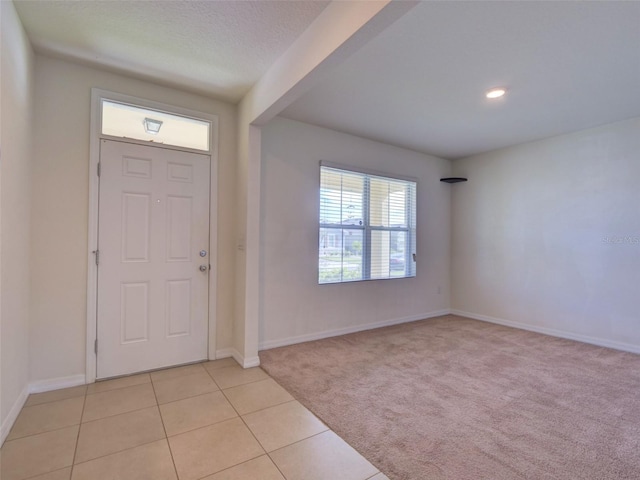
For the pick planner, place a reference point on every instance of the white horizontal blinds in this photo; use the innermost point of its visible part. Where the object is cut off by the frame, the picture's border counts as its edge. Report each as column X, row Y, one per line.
column 392, row 227
column 341, row 226
column 367, row 226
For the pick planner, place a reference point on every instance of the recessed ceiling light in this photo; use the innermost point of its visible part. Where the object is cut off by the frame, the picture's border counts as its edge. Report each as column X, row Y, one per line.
column 496, row 92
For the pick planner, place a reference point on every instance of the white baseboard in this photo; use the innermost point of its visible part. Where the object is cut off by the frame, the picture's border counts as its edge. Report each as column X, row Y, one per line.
column 251, row 362
column 344, row 331
column 600, row 342
column 8, row 422
column 242, row 361
column 56, row 383
column 223, row 353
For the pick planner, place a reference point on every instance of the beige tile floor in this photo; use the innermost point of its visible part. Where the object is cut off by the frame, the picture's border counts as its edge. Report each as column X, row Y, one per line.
column 213, row 421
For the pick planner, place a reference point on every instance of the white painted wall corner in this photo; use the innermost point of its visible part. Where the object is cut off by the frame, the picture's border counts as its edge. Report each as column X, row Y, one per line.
column 36, row 387
column 8, row 422
column 248, row 362
column 57, row 383
column 600, row 342
column 344, row 331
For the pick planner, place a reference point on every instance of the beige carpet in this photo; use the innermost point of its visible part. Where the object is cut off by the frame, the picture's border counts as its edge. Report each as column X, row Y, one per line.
column 453, row 398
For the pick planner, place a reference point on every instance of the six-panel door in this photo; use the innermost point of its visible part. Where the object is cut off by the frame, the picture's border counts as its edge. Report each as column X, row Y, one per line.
column 152, row 290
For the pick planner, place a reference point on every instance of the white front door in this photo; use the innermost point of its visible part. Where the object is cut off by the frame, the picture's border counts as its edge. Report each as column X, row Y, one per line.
column 153, row 270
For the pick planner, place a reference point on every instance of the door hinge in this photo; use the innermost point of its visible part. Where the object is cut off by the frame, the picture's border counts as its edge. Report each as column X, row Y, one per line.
column 95, row 346
column 99, row 168
column 97, row 254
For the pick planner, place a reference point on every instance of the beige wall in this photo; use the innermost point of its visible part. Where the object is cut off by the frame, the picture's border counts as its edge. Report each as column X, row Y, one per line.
column 546, row 236
column 293, row 306
column 60, row 208
column 16, row 136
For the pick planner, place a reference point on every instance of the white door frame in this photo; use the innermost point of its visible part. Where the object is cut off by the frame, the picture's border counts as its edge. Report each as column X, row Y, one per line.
column 97, row 95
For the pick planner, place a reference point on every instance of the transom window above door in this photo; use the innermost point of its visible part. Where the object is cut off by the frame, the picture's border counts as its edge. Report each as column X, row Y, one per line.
column 129, row 121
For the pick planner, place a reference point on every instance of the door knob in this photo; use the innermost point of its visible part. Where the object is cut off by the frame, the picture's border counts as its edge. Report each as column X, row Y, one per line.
column 203, row 268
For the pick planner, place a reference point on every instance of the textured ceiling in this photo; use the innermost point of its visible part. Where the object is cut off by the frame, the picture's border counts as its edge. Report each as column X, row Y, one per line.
column 220, row 48
column 420, row 83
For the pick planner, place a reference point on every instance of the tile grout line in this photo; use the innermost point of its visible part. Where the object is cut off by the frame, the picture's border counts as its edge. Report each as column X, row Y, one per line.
column 117, row 388
column 209, row 425
column 272, row 406
column 51, row 401
column 213, row 379
column 115, row 453
column 268, row 454
column 251, row 432
column 233, row 466
column 307, row 438
column 315, row 435
column 75, row 450
column 157, row 406
column 48, row 473
column 122, row 413
column 229, row 468
column 187, row 398
column 177, row 376
column 293, row 399
column 43, row 432
column 46, row 431
column 111, row 416
column 150, row 381
column 166, row 437
column 275, row 405
column 253, row 435
column 149, row 372
column 241, row 384
column 148, row 406
column 201, row 427
column 329, row 429
column 298, row 441
column 206, row 426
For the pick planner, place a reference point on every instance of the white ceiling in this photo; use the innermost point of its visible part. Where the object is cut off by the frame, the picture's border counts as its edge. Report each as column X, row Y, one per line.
column 219, row 48
column 420, row 84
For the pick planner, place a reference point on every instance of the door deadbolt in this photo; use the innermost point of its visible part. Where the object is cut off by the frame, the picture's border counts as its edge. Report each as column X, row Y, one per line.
column 203, row 253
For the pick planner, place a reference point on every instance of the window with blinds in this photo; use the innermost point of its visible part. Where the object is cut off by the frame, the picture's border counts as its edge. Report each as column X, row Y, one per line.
column 367, row 226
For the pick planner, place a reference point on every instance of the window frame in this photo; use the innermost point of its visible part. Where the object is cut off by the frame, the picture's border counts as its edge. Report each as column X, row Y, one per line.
column 410, row 230
column 150, row 111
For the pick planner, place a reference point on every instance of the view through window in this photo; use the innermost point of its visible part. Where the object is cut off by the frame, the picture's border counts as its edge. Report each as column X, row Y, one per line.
column 367, row 226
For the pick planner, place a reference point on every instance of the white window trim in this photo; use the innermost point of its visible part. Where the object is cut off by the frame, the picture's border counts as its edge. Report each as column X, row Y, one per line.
column 366, row 228
column 367, row 171
column 97, row 95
